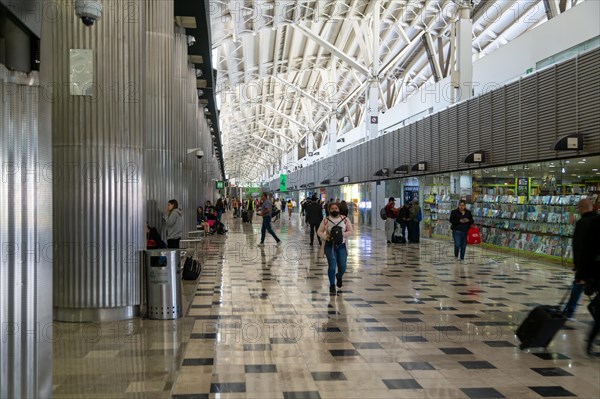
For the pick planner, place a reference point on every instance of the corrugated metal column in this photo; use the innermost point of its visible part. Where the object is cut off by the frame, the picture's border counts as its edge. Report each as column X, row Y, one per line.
column 26, row 230
column 158, row 137
column 99, row 208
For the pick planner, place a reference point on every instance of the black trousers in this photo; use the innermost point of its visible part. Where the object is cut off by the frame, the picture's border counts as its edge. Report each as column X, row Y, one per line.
column 313, row 229
column 594, row 308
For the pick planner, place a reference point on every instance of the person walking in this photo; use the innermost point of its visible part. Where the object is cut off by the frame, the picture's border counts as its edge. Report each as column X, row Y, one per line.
column 250, row 209
column 581, row 250
column 335, row 230
column 265, row 212
column 290, row 207
column 461, row 219
column 414, row 231
column 174, row 221
column 391, row 212
column 344, row 211
column 314, row 217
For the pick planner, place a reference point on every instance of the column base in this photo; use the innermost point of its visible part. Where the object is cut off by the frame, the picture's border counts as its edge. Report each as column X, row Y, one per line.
column 86, row 315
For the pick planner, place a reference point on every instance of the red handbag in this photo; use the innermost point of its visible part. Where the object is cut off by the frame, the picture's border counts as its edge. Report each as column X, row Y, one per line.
column 473, row 236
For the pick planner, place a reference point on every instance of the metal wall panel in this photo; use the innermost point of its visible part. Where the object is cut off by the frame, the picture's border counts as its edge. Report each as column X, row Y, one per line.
column 26, row 237
column 546, row 114
column 528, row 117
column 588, row 99
column 158, row 99
column 435, row 143
column 99, row 208
column 485, row 125
column 497, row 151
column 512, row 135
column 444, row 140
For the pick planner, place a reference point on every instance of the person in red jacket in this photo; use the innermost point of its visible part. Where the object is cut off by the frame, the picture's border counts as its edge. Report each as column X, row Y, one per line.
column 391, row 212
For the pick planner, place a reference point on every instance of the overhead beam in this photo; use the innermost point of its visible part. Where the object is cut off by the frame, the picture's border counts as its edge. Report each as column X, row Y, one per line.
column 552, row 8
column 286, row 116
column 273, row 157
column 304, row 93
column 392, row 63
column 333, row 49
column 267, row 142
column 432, row 57
column 275, row 132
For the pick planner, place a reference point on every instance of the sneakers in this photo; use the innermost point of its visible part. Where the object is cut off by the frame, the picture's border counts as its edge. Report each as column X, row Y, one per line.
column 260, row 244
column 278, row 243
column 340, row 283
column 332, row 290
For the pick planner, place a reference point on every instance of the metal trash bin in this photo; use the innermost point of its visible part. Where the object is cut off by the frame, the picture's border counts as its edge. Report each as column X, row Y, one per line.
column 163, row 284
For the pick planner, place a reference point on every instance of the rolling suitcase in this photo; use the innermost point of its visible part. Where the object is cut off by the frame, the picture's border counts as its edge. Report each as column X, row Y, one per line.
column 540, row 326
column 245, row 217
column 191, row 269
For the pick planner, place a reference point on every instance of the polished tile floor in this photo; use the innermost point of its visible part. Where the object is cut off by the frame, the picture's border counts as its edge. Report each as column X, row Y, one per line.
column 410, row 322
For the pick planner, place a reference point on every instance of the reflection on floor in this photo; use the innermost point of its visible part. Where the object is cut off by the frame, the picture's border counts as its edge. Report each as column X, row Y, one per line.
column 410, row 322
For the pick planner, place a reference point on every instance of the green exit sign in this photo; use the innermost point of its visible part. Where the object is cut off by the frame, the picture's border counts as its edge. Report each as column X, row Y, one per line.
column 529, row 70
column 220, row 185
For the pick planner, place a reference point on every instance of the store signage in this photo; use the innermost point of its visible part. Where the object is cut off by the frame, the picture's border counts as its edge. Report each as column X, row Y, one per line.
column 344, row 179
column 475, row 157
column 401, row 170
column 382, row 172
column 420, row 167
column 571, row 142
column 220, row 185
column 282, row 183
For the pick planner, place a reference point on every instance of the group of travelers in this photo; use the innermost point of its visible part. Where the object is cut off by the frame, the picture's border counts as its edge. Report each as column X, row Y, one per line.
column 402, row 222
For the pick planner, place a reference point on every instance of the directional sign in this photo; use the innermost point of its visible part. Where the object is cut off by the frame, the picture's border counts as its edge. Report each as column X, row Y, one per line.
column 282, row 183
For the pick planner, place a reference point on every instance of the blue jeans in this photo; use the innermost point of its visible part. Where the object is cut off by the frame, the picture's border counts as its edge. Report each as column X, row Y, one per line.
column 337, row 255
column 266, row 226
column 460, row 243
column 576, row 291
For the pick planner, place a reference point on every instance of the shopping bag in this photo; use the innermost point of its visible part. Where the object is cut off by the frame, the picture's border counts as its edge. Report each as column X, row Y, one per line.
column 473, row 236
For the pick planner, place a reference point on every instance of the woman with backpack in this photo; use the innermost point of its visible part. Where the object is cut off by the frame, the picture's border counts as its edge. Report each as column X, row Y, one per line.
column 335, row 229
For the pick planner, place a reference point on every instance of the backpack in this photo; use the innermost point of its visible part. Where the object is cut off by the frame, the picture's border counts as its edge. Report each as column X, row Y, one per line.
column 337, row 233
column 221, row 229
column 383, row 214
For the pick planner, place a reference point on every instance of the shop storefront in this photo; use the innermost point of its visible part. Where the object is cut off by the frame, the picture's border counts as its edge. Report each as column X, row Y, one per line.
column 530, row 208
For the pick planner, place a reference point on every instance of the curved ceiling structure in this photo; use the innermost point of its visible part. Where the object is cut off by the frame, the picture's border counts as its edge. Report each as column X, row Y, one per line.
column 283, row 66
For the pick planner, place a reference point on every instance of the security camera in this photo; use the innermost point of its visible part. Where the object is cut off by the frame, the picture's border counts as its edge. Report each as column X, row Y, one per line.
column 191, row 40
column 196, row 151
column 89, row 11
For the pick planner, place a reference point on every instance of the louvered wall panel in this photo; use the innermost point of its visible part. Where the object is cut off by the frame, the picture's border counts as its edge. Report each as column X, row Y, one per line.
column 452, row 138
column 443, row 135
column 546, row 114
column 419, row 141
column 375, row 154
column 426, row 140
column 512, row 138
column 400, row 146
column 498, row 116
column 388, row 151
column 434, row 136
column 485, row 125
column 406, row 145
column 464, row 144
column 528, row 117
column 474, row 122
column 361, row 165
column 588, row 99
column 566, row 98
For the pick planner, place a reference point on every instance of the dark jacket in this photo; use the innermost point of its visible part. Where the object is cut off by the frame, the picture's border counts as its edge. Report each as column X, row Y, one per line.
column 344, row 211
column 403, row 214
column 457, row 225
column 586, row 247
column 314, row 213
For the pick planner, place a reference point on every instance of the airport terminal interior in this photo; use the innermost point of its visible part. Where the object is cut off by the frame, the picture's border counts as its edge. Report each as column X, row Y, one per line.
column 121, row 120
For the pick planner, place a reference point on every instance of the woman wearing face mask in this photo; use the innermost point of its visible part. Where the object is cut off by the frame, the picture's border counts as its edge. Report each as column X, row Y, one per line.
column 335, row 244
